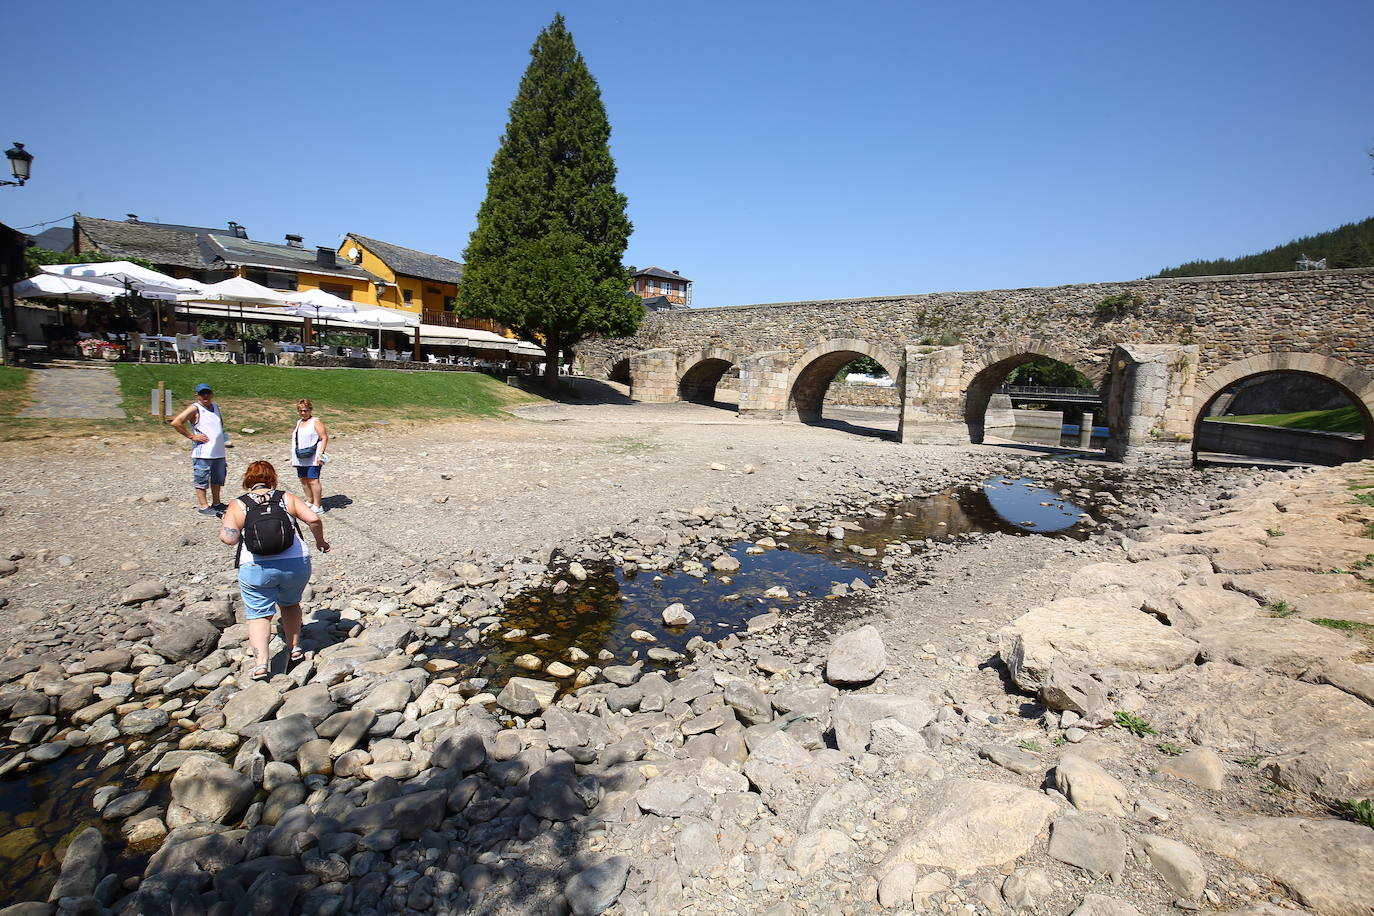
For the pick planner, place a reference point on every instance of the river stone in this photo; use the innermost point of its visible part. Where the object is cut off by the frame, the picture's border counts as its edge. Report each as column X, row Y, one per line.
column 897, row 887
column 109, row 660
column 594, row 890
column 621, row 675
column 725, row 563
column 749, row 703
column 853, row 715
column 814, row 850
column 1324, row 864
column 412, row 815
column 843, row 807
column 1196, row 606
column 388, row 696
column 282, row 737
column 1286, row 647
column 82, row 867
column 145, row 590
column 1090, row 788
column 1026, row 888
column 1202, row 767
column 1332, row 773
column 1178, row 865
column 212, row 790
column 973, row 824
column 311, row 701
column 1064, row 689
column 1102, row 905
column 390, row 637
column 143, row 721
column 718, row 779
column 677, row 615
column 183, row 639
column 697, row 848
column 673, row 796
column 252, row 704
column 553, row 790
column 1091, row 842
column 1106, row 631
column 856, row 658
column 526, row 696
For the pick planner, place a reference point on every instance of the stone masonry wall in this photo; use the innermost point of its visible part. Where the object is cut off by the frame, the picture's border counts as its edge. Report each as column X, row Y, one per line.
column 1327, row 312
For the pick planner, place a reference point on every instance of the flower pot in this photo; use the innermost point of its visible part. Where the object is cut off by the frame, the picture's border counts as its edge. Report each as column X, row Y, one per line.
column 110, row 356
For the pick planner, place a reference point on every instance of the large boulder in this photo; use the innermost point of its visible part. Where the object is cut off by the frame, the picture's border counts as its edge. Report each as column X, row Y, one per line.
column 211, row 790
column 1288, row 647
column 82, row 867
column 143, row 590
column 1324, row 864
column 252, row 704
column 184, row 639
column 594, row 890
column 853, row 715
column 856, row 658
column 972, row 824
column 526, row 696
column 1090, row 788
column 1086, row 634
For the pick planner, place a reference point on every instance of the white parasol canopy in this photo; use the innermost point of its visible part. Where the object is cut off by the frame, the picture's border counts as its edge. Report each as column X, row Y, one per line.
column 239, row 290
column 49, row 286
column 125, row 274
column 382, row 317
column 316, row 302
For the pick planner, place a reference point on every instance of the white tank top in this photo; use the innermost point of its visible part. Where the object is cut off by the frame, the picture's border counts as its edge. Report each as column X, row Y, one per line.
column 305, row 436
column 208, row 423
column 297, row 549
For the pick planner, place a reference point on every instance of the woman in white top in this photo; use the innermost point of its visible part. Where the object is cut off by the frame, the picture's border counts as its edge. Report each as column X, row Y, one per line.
column 308, row 442
column 278, row 579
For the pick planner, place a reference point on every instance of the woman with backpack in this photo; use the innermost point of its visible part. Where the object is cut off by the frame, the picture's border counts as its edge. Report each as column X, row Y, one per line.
column 308, row 443
column 272, row 559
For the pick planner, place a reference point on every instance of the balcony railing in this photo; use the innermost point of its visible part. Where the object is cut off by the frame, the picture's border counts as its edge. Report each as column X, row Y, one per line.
column 1043, row 391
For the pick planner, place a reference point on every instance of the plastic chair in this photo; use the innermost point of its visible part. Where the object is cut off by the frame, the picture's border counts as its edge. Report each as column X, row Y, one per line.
column 136, row 346
column 269, row 351
column 185, row 344
column 234, row 348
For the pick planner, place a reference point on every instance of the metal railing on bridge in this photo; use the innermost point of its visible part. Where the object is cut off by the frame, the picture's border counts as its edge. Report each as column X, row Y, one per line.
column 1051, row 393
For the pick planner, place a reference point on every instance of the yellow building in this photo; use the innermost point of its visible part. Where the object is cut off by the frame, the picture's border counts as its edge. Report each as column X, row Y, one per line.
column 413, row 281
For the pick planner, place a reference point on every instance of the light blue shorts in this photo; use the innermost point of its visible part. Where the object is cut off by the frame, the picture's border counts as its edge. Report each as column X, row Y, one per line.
column 268, row 583
column 208, row 472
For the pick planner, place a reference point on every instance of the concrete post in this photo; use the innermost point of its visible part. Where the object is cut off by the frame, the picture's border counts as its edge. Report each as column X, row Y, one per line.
column 1085, row 429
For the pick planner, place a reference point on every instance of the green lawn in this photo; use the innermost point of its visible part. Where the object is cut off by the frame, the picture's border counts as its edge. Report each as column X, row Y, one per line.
column 264, row 398
column 14, row 384
column 1335, row 420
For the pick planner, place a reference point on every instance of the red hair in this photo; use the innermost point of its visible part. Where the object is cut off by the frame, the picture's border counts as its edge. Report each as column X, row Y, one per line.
column 260, row 472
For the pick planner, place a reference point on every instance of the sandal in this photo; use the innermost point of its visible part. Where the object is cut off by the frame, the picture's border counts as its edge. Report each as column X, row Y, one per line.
column 297, row 654
column 261, row 673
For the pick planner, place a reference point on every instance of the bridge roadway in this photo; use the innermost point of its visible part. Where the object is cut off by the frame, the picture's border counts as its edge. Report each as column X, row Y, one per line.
column 1159, row 351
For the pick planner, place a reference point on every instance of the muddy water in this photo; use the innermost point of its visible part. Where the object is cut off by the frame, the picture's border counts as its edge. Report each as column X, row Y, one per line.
column 604, row 612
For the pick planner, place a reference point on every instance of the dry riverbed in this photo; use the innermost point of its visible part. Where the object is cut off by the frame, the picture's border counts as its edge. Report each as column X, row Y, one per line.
column 961, row 753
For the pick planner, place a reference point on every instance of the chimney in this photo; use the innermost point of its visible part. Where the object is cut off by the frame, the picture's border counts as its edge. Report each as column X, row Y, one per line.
column 678, row 272
column 131, row 217
column 295, row 241
column 239, row 231
column 326, row 257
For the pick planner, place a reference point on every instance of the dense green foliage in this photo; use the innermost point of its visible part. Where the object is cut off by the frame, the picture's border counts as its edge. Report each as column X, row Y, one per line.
column 864, row 365
column 1352, row 245
column 1048, row 373
column 36, row 258
column 545, row 258
column 1335, row 420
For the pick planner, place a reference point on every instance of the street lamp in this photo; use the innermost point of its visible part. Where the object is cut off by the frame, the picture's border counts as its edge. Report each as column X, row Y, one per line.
column 21, row 163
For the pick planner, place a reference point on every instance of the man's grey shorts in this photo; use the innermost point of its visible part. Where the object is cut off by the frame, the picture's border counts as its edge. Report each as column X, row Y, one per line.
column 209, row 472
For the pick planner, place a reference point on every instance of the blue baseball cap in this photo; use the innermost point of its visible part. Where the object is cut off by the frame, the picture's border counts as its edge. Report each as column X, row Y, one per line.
column 202, row 387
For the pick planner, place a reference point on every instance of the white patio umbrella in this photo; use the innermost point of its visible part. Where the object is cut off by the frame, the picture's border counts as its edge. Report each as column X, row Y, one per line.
column 382, row 318
column 238, row 291
column 314, row 303
column 150, row 284
column 48, row 286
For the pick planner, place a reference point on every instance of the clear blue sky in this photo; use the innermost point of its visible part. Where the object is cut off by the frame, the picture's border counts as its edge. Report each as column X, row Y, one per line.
column 771, row 151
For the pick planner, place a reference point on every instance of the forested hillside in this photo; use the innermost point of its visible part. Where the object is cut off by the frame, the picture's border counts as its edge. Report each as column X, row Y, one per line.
column 1352, row 245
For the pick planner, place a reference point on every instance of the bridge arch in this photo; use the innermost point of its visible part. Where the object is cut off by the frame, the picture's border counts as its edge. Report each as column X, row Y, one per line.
column 1355, row 384
column 703, row 372
column 986, row 375
column 811, row 375
column 619, row 371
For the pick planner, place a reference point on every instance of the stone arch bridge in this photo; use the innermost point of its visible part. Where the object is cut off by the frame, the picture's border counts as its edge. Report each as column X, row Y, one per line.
column 1159, row 350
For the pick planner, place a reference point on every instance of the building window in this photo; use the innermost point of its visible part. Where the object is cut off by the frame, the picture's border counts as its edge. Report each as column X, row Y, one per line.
column 407, row 295
column 450, row 303
column 272, row 279
column 338, row 289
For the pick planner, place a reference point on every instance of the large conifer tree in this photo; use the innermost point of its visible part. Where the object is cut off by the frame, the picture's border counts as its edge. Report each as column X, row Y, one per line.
column 544, row 259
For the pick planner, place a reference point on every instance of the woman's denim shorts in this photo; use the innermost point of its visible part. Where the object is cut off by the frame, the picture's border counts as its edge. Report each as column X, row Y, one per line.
column 268, row 583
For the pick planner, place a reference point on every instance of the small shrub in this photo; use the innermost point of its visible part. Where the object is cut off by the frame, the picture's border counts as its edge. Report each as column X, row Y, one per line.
column 1360, row 811
column 1169, row 749
column 1364, row 499
column 1134, row 724
column 1059, row 741
column 1115, row 307
column 1271, row 788
column 1274, row 532
column 1280, row 609
column 1251, row 762
column 1032, row 746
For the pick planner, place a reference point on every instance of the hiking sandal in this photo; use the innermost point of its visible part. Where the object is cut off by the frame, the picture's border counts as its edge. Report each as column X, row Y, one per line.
column 261, row 673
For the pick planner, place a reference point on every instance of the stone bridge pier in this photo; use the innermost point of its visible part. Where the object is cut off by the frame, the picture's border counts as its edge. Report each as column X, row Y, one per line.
column 1160, row 352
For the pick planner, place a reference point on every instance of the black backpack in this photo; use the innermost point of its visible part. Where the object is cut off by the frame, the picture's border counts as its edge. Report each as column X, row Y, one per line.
column 268, row 529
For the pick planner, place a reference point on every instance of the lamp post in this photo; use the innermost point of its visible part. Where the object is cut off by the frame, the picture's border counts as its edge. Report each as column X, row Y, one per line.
column 21, row 164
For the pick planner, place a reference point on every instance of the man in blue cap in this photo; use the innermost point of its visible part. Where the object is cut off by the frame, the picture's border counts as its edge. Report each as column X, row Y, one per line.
column 208, row 465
